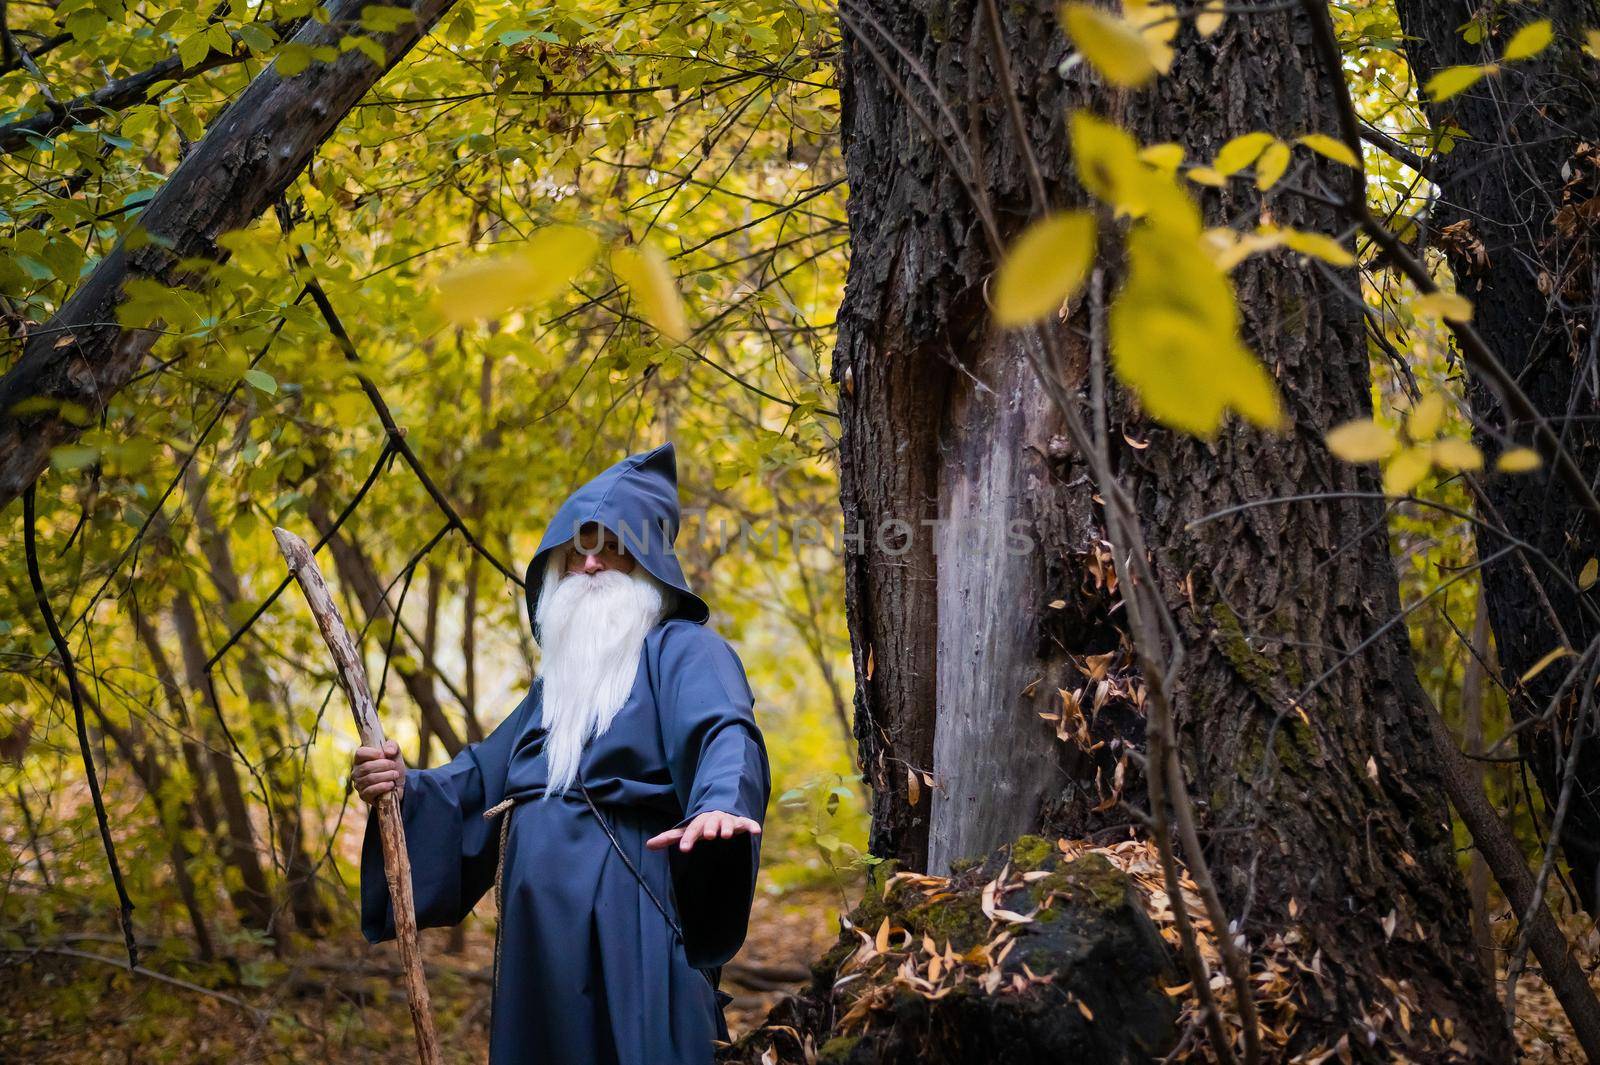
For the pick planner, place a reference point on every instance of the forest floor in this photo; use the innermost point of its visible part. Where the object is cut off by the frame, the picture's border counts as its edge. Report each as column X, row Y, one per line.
column 337, row 1000
column 332, row 1000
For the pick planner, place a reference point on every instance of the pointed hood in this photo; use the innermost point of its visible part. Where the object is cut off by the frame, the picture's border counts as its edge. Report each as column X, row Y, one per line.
column 637, row 499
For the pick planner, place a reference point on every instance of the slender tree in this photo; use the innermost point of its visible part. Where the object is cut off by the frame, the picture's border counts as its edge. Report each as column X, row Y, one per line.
column 1511, row 221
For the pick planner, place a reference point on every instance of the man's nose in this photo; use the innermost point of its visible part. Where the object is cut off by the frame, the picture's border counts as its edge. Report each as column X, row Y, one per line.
column 593, row 564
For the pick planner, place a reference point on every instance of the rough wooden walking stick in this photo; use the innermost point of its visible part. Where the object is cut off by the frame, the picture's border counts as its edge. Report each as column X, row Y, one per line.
column 396, row 864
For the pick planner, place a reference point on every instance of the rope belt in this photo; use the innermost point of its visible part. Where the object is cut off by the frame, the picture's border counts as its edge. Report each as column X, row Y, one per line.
column 499, row 881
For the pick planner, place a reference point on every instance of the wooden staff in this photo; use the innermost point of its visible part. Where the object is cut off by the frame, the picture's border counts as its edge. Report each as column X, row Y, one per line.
column 396, row 864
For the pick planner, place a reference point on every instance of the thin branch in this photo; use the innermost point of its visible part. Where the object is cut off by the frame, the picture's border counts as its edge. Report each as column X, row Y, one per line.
column 125, row 904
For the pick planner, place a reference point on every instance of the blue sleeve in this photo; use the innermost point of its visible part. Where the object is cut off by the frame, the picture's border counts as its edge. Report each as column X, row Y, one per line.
column 719, row 762
column 453, row 850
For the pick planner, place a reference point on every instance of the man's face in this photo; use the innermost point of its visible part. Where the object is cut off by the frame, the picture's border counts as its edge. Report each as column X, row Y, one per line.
column 595, row 550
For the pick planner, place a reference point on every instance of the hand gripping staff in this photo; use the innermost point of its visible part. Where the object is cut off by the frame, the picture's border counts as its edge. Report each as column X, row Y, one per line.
column 396, row 864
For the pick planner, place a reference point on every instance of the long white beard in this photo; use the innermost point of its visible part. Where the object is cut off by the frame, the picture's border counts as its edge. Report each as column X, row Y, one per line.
column 591, row 629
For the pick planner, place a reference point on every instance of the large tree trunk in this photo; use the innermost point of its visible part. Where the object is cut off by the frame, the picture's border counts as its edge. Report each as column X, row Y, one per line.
column 250, row 154
column 1528, row 261
column 1325, row 824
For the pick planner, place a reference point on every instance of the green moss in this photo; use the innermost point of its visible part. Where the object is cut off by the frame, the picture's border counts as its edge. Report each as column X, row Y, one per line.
column 958, row 921
column 1091, row 877
column 961, row 865
column 1030, row 852
column 837, row 1050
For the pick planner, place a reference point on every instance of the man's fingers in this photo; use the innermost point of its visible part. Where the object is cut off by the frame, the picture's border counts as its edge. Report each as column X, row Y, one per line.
column 664, row 840
column 391, row 748
column 367, row 769
column 367, row 754
column 691, row 836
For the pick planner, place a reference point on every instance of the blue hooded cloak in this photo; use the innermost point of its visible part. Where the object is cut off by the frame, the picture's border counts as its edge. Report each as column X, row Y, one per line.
column 589, row 971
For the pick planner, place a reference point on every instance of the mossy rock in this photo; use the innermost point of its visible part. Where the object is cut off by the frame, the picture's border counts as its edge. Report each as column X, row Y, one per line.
column 1082, row 981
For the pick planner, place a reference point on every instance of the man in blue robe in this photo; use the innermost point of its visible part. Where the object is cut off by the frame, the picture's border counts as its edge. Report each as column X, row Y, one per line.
column 621, row 802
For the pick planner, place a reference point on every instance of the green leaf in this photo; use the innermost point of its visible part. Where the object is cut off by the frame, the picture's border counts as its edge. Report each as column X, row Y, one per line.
column 292, row 59
column 382, row 18
column 1045, row 266
column 73, row 457
column 256, row 37
column 261, row 381
column 193, row 49
column 1112, row 45
column 1452, row 80
column 1530, row 40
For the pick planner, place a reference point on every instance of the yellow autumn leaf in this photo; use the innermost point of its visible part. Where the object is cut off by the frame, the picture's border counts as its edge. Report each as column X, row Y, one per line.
column 1452, row 80
column 1361, row 440
column 1544, row 663
column 1208, row 19
column 1157, row 24
column 1240, row 152
column 1318, row 246
column 1165, row 156
column 1518, row 460
column 1530, row 40
column 1205, row 175
column 1108, row 164
column 1425, row 418
column 1451, row 305
column 1271, row 164
column 1591, row 43
column 1228, row 247
column 1587, row 575
column 519, row 278
column 649, row 279
column 1455, row 454
column 1174, row 331
column 1331, row 147
column 1111, row 44
column 1044, row 267
column 1406, row 470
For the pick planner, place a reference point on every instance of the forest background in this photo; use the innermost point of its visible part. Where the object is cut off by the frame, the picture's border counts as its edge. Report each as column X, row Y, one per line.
column 433, row 335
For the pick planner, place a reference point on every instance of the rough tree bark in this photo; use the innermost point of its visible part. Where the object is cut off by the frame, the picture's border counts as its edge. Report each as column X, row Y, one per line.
column 946, row 441
column 1325, row 825
column 249, row 156
column 1518, row 228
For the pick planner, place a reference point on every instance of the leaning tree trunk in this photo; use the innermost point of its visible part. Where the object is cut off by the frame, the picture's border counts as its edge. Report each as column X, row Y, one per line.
column 1519, row 230
column 82, row 357
column 1329, row 824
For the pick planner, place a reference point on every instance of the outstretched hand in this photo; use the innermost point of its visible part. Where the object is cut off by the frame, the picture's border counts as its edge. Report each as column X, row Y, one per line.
column 713, row 824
